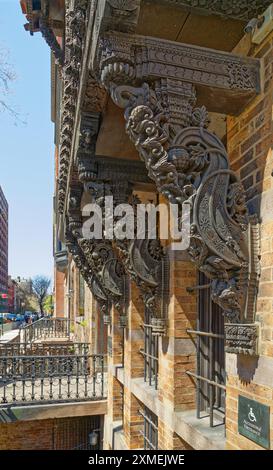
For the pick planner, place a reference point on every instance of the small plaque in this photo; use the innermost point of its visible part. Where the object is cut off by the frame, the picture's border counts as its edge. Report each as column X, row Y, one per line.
column 254, row 421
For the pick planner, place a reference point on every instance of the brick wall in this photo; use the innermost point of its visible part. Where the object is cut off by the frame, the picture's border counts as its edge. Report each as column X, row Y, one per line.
column 177, row 354
column 59, row 293
column 250, row 141
column 27, row 435
column 47, row 434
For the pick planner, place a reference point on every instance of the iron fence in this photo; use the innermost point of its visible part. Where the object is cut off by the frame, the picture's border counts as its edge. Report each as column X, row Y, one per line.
column 50, row 379
column 150, row 429
column 44, row 349
column 46, row 328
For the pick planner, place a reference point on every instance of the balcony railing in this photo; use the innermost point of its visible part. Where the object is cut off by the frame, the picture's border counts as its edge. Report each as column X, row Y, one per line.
column 26, row 380
column 46, row 328
column 44, row 349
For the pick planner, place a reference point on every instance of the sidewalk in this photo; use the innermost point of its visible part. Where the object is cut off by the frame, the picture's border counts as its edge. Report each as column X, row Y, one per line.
column 9, row 336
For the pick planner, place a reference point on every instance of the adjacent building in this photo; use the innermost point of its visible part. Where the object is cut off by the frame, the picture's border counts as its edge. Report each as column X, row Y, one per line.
column 4, row 215
column 12, row 295
column 171, row 102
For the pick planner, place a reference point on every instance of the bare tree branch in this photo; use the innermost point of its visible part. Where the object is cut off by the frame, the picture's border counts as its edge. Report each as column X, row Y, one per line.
column 7, row 77
column 40, row 286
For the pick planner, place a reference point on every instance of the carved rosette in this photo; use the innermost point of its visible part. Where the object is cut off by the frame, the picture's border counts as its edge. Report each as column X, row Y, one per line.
column 189, row 164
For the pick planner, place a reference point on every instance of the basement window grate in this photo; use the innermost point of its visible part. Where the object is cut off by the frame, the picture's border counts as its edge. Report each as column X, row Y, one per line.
column 150, row 352
column 150, row 429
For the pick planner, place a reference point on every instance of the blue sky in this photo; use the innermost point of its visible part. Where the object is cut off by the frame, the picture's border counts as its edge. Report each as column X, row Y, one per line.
column 26, row 151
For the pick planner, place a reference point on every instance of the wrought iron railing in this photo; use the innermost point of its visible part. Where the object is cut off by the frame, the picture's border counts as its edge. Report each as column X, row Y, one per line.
column 46, row 328
column 44, row 349
column 26, row 380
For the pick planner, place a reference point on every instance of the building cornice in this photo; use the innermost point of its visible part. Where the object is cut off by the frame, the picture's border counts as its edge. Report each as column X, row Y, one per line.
column 244, row 10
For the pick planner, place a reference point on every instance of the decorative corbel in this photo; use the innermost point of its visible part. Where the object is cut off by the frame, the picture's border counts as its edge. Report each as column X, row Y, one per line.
column 103, row 261
column 50, row 38
column 89, row 127
column 90, row 278
column 188, row 163
column 145, row 262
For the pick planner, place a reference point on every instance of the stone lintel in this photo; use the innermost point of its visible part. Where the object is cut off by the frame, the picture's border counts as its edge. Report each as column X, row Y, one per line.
column 50, row 411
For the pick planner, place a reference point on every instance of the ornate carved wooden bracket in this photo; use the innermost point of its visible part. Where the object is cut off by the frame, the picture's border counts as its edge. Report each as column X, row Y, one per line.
column 90, row 278
column 185, row 160
column 108, row 282
column 145, row 261
column 50, row 38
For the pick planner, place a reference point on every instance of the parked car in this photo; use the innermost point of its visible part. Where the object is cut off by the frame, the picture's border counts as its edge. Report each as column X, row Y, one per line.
column 11, row 317
column 19, row 317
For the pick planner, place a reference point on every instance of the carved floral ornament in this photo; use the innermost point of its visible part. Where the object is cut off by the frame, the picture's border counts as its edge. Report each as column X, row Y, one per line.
column 190, row 164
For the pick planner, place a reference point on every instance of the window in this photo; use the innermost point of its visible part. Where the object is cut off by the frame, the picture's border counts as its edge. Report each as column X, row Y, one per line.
column 150, row 352
column 150, row 429
column 210, row 375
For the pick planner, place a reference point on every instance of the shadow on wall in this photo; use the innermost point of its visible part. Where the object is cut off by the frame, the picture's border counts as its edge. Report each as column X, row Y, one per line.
column 246, row 367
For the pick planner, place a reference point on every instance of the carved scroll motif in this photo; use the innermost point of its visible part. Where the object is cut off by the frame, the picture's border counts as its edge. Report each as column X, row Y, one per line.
column 190, row 164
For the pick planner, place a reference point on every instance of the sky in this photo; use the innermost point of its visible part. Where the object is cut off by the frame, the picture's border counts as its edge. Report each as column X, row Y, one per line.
column 26, row 150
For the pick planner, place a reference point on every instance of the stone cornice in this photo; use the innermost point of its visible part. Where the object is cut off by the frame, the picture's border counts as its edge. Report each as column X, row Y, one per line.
column 232, row 81
column 243, row 11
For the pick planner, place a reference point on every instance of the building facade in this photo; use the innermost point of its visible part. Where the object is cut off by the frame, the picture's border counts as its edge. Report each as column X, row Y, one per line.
column 12, row 295
column 3, row 243
column 168, row 102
